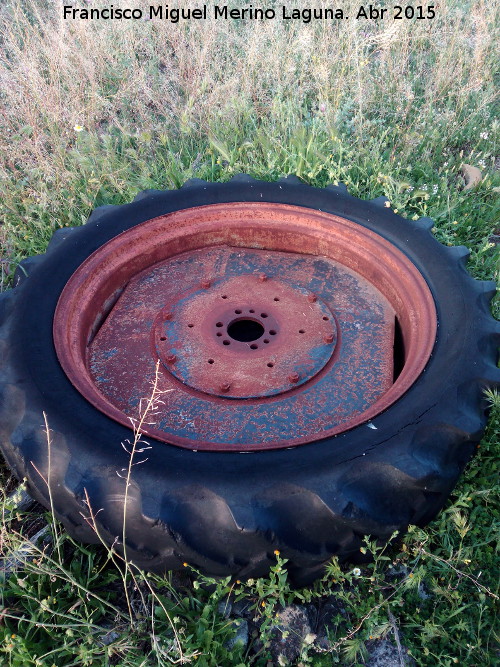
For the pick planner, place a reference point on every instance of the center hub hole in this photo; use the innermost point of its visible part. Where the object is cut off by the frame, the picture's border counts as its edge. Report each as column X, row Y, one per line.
column 245, row 330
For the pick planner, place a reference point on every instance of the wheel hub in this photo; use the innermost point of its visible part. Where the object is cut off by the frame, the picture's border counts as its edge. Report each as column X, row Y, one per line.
column 246, row 336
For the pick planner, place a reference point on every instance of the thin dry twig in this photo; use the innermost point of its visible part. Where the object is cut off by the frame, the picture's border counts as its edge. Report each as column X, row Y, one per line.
column 461, row 574
column 392, row 620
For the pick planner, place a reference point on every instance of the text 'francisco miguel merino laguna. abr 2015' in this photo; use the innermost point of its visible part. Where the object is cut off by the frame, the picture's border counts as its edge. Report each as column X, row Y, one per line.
column 225, row 13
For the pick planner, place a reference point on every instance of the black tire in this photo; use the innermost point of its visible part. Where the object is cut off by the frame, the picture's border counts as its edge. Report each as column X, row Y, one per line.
column 222, row 512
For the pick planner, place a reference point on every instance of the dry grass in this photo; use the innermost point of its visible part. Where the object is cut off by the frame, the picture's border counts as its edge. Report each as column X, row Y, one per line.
column 192, row 77
column 389, row 107
column 160, row 102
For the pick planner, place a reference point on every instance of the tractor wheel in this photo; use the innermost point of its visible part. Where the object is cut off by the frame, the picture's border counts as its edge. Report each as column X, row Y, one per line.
column 211, row 374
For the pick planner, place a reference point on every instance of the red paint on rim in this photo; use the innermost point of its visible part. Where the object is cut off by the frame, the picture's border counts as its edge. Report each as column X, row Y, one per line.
column 93, row 289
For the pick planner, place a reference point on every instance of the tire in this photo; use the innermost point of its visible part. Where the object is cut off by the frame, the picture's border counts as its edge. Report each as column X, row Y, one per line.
column 221, row 512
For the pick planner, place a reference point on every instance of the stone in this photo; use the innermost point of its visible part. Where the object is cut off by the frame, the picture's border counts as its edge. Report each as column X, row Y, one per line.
column 289, row 634
column 383, row 653
column 241, row 636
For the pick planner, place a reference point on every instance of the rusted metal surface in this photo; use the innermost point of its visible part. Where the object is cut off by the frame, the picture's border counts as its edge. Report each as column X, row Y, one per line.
column 173, row 313
column 240, row 333
column 203, row 289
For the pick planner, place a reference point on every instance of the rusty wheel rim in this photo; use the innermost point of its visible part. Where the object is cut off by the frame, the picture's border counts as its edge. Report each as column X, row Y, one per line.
column 199, row 291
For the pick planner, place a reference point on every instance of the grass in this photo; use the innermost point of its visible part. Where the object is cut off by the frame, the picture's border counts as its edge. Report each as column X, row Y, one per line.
column 391, row 108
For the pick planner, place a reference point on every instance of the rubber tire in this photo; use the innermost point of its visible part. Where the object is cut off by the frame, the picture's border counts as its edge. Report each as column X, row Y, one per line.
column 226, row 513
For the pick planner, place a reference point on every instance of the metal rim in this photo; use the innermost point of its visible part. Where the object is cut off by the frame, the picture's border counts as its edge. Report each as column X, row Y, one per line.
column 94, row 288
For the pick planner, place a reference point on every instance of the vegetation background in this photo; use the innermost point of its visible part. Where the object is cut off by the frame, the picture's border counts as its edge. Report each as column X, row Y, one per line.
column 93, row 112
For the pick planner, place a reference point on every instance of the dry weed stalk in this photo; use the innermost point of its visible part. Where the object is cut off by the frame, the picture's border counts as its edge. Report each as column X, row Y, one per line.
column 188, row 77
column 53, row 565
column 147, row 408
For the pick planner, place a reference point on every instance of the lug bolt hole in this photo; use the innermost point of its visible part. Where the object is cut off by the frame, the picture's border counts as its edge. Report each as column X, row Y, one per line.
column 219, row 333
column 251, row 310
column 254, row 347
column 190, row 326
column 219, row 324
column 272, row 332
column 226, row 342
column 276, row 298
column 266, row 340
column 301, row 331
column 270, row 365
column 210, row 361
column 326, row 318
column 163, row 338
column 263, row 314
column 238, row 312
column 224, row 296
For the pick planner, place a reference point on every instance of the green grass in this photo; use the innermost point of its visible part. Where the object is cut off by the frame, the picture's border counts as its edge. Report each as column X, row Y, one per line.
column 385, row 110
